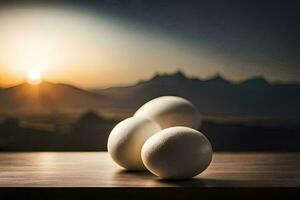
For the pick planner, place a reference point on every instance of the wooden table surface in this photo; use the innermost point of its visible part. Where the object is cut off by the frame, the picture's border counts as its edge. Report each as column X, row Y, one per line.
column 96, row 169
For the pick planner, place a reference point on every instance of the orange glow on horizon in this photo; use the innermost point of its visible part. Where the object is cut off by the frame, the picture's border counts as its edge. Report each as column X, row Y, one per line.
column 34, row 77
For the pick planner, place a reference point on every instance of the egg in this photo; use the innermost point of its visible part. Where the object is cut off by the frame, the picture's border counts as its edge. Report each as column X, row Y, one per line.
column 126, row 140
column 169, row 111
column 177, row 153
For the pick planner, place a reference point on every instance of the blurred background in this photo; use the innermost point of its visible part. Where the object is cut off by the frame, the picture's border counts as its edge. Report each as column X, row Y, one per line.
column 71, row 70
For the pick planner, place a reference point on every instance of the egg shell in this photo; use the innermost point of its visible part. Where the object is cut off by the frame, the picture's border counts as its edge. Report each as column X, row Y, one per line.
column 169, row 111
column 177, row 153
column 126, row 140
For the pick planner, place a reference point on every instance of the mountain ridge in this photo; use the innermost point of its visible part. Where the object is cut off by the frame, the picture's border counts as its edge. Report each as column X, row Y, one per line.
column 47, row 96
column 213, row 96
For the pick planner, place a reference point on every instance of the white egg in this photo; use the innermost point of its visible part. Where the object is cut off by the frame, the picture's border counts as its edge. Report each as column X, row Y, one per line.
column 170, row 111
column 126, row 140
column 177, row 153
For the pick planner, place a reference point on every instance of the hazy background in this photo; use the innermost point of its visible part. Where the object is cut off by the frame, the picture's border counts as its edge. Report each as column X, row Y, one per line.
column 70, row 70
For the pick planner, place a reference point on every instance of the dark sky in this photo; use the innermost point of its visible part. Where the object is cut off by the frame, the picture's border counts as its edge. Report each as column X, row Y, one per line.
column 262, row 31
column 267, row 30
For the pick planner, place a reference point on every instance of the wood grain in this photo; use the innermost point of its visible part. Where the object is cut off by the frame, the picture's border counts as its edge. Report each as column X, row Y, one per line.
column 96, row 169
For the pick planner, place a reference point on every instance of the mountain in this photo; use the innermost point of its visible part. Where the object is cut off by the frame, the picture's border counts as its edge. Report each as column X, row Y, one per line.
column 214, row 96
column 47, row 96
column 255, row 97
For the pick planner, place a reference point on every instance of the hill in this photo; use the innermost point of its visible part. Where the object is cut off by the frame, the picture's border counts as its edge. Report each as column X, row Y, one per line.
column 46, row 97
column 215, row 96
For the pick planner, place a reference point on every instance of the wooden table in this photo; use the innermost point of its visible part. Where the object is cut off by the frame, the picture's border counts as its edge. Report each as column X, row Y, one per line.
column 94, row 173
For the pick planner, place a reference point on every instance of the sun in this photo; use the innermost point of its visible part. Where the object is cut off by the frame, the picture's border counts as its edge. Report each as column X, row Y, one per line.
column 34, row 76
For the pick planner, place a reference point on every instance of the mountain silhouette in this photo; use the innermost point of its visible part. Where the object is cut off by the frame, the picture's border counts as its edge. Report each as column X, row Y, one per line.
column 47, row 96
column 254, row 97
column 214, row 96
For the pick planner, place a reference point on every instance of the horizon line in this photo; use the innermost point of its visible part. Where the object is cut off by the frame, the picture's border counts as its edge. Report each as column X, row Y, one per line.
column 156, row 74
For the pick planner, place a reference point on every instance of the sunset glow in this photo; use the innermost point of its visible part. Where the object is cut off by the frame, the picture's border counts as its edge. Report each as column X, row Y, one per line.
column 91, row 48
column 34, row 76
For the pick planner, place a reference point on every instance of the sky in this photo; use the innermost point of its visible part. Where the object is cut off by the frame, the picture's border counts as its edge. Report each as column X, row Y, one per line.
column 96, row 44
